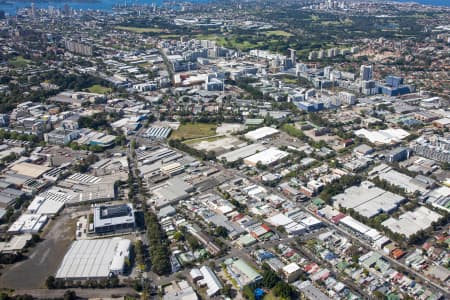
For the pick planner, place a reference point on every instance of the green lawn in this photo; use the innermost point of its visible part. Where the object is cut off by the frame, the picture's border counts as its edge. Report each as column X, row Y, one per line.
column 230, row 41
column 140, row 29
column 193, row 131
column 169, row 36
column 99, row 89
column 278, row 33
column 19, row 62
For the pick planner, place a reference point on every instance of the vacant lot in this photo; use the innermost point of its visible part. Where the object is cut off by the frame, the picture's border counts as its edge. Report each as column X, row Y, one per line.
column 193, row 131
column 140, row 29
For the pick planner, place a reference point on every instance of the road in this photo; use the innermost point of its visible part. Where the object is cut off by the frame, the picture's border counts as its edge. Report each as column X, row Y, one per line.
column 82, row 293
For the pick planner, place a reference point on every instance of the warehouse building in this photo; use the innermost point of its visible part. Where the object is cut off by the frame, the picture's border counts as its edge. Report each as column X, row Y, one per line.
column 29, row 169
column 386, row 136
column 16, row 244
column 409, row 184
column 368, row 200
column 157, row 133
column 267, row 157
column 171, row 191
column 50, row 202
column 411, row 222
column 114, row 218
column 241, row 153
column 261, row 133
column 439, row 197
column 28, row 223
column 94, row 259
column 9, row 196
column 92, row 189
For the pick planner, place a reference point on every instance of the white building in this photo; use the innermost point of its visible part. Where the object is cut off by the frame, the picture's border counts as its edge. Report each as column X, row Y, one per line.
column 261, row 133
column 94, row 259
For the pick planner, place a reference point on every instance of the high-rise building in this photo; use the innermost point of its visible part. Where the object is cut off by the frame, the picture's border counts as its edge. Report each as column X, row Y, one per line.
column 33, row 9
column 366, row 73
column 79, row 48
column 293, row 56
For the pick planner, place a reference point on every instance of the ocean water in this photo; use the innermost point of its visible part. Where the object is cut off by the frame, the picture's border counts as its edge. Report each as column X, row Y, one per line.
column 11, row 6
column 429, row 2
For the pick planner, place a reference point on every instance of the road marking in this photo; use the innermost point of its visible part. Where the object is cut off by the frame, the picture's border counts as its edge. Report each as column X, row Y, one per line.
column 44, row 256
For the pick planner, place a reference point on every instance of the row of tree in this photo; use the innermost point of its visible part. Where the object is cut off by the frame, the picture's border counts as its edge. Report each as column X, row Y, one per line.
column 158, row 246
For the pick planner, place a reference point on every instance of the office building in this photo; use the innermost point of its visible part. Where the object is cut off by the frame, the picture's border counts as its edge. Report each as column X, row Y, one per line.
column 365, row 73
column 115, row 218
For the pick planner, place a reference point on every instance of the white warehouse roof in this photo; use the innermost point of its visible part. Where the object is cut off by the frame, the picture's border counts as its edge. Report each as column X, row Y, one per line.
column 266, row 157
column 94, row 258
column 261, row 133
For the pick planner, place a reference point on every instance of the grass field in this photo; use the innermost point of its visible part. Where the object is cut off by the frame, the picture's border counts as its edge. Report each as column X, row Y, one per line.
column 99, row 89
column 19, row 62
column 193, row 131
column 230, row 41
column 278, row 33
column 169, row 36
column 140, row 30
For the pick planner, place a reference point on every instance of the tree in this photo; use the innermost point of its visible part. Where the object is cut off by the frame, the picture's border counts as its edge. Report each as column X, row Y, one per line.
column 227, row 290
column 282, row 289
column 221, row 231
column 193, row 242
column 270, row 278
column 178, row 236
column 70, row 295
column 247, row 292
column 50, row 282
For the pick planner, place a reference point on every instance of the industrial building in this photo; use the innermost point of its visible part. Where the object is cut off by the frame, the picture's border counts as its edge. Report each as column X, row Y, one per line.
column 368, row 200
column 29, row 169
column 94, row 259
column 157, row 133
column 91, row 189
column 16, row 244
column 386, row 136
column 28, row 223
column 50, row 202
column 171, row 191
column 261, row 133
column 241, row 153
column 114, row 218
column 411, row 222
column 409, row 184
column 439, row 197
column 267, row 157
